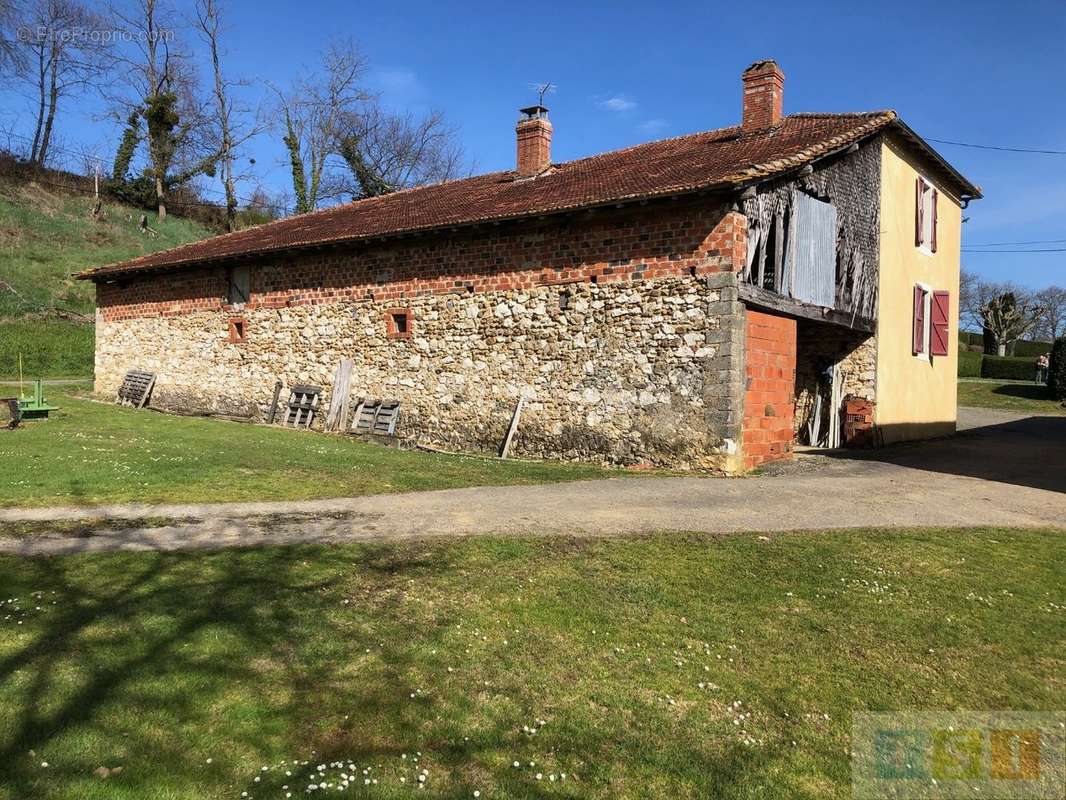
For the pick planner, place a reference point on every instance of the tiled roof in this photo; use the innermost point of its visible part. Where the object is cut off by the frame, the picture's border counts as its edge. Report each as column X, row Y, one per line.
column 698, row 161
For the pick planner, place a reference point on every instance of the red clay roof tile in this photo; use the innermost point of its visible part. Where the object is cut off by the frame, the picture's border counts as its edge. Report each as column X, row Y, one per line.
column 711, row 159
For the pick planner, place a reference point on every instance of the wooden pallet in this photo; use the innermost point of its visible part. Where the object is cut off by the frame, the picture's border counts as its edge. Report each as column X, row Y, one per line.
column 375, row 417
column 136, row 388
column 304, row 402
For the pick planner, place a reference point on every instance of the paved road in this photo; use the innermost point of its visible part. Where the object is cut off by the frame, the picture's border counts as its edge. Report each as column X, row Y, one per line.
column 1001, row 469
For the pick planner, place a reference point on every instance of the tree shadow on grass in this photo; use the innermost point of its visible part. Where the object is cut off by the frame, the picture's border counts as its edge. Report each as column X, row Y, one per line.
column 156, row 661
column 1026, row 391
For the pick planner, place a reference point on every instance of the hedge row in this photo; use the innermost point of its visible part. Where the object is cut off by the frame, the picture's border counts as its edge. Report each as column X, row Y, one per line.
column 1031, row 349
column 970, row 364
column 1008, row 368
column 1057, row 373
column 1022, row 347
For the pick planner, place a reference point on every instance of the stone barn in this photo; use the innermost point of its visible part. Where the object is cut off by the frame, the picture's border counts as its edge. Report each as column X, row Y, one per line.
column 705, row 301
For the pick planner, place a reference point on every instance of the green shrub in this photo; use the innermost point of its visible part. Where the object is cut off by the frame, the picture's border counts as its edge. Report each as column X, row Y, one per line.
column 1009, row 368
column 1057, row 372
column 970, row 364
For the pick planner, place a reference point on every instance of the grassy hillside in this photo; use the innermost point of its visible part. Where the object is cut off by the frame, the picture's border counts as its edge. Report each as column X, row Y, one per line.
column 46, row 236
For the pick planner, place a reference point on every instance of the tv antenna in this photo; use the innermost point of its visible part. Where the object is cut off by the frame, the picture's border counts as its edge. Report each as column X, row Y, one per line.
column 542, row 89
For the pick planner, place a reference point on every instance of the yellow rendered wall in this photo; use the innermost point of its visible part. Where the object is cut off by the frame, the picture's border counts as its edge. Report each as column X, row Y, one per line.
column 916, row 398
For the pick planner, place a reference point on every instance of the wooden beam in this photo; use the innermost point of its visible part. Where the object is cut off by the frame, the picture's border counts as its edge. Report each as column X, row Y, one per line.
column 506, row 446
column 337, row 416
column 755, row 296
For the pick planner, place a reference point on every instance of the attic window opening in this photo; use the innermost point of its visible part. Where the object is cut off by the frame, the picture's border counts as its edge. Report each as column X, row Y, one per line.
column 238, row 285
column 398, row 323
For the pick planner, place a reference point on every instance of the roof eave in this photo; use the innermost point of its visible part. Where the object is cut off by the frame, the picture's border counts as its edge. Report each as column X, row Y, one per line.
column 117, row 271
column 755, row 173
column 968, row 190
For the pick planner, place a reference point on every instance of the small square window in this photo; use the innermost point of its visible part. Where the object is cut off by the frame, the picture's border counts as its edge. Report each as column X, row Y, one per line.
column 238, row 330
column 398, row 323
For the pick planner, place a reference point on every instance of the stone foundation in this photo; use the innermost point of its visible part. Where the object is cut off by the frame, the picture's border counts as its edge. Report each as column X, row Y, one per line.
column 624, row 372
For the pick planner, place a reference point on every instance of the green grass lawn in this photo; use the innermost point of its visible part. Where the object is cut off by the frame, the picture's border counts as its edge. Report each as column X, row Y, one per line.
column 674, row 666
column 1009, row 396
column 90, row 453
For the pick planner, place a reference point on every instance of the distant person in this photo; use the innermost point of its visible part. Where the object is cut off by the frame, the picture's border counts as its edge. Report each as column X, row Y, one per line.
column 1042, row 364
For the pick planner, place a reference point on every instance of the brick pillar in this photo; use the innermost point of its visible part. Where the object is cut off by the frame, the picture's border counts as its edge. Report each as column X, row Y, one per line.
column 770, row 396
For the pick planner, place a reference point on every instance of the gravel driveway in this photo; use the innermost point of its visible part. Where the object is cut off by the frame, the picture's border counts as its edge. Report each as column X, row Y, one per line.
column 1001, row 469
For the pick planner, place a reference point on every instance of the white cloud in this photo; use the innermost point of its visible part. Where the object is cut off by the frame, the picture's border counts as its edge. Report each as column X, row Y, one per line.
column 617, row 103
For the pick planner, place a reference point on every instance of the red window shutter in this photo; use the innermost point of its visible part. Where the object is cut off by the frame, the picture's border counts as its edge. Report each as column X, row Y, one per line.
column 918, row 335
column 918, row 212
column 940, row 313
column 932, row 244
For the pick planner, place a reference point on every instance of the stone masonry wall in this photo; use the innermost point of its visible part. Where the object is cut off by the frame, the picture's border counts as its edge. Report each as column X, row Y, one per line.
column 622, row 331
column 818, row 346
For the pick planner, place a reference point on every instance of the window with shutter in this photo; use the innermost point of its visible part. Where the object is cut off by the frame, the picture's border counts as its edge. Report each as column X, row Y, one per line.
column 918, row 329
column 925, row 199
column 919, row 193
column 932, row 223
column 940, row 313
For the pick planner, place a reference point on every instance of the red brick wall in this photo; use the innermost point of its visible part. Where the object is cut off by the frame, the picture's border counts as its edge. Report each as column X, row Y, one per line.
column 769, row 401
column 678, row 239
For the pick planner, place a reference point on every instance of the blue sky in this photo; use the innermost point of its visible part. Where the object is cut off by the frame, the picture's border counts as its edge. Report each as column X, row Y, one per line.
column 981, row 72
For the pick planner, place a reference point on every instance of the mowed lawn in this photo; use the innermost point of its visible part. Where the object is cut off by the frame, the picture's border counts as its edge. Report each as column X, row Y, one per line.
column 675, row 666
column 1009, row 395
column 90, row 453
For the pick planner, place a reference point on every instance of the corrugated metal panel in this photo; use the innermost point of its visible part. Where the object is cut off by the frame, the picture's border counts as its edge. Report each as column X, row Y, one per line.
column 814, row 269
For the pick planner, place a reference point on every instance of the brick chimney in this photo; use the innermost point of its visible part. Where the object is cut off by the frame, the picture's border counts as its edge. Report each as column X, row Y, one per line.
column 764, row 90
column 534, row 141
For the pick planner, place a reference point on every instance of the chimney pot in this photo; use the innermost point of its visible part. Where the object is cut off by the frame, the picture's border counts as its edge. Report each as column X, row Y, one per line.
column 534, row 138
column 764, row 90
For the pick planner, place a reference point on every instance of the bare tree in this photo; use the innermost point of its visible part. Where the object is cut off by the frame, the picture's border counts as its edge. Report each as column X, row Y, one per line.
column 61, row 59
column 332, row 114
column 970, row 300
column 232, row 131
column 10, row 54
column 161, row 86
column 1051, row 320
column 1008, row 315
column 313, row 112
column 385, row 152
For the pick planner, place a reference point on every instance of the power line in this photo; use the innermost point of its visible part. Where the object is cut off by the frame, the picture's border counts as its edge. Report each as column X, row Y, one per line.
column 1006, row 244
column 996, row 147
column 991, row 252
